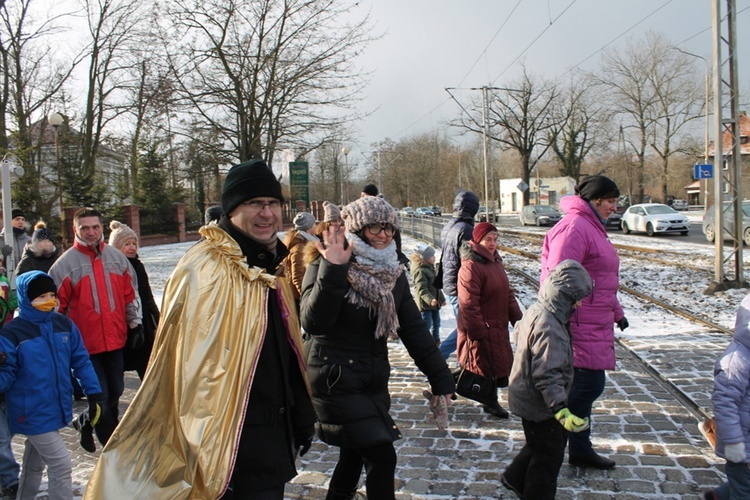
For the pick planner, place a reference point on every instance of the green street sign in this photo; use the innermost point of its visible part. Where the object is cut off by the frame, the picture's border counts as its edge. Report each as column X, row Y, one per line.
column 299, row 181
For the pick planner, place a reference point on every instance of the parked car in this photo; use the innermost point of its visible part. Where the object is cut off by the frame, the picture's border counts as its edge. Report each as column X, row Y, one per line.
column 481, row 215
column 437, row 211
column 406, row 212
column 653, row 218
column 614, row 220
column 424, row 211
column 708, row 222
column 540, row 215
column 680, row 205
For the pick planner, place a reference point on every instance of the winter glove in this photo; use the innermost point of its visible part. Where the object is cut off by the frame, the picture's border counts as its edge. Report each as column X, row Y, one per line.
column 439, row 410
column 735, row 452
column 570, row 422
column 135, row 337
column 623, row 324
column 95, row 411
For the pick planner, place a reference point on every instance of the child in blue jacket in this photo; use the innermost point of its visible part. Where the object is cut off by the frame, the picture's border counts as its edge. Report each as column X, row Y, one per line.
column 38, row 349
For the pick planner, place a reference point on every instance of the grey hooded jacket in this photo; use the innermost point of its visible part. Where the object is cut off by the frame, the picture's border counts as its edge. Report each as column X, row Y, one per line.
column 542, row 372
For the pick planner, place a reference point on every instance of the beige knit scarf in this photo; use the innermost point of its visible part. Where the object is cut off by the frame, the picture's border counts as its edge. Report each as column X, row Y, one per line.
column 372, row 275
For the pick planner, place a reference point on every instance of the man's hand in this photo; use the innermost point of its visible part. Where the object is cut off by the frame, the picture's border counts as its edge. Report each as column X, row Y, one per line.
column 135, row 337
column 332, row 249
column 570, row 422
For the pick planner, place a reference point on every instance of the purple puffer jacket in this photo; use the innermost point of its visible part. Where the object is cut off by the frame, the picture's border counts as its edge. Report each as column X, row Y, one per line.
column 581, row 236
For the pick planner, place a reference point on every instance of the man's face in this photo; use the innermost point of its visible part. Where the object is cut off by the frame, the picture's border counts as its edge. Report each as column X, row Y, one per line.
column 19, row 222
column 259, row 217
column 89, row 229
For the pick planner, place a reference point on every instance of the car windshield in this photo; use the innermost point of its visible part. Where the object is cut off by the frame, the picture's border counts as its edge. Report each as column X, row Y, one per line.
column 545, row 209
column 660, row 209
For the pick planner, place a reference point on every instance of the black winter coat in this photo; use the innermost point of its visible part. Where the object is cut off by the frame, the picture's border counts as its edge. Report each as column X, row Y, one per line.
column 32, row 262
column 137, row 359
column 349, row 368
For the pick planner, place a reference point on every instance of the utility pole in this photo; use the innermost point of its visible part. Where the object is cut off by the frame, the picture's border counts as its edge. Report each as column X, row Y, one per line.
column 727, row 169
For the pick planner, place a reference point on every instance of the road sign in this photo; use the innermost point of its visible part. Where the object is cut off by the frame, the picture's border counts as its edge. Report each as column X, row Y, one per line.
column 298, row 181
column 522, row 186
column 703, row 171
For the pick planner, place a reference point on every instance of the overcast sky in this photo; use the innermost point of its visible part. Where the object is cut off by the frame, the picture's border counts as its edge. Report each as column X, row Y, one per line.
column 428, row 45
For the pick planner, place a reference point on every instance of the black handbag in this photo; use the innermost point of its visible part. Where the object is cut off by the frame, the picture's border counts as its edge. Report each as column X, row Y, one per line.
column 438, row 281
column 476, row 387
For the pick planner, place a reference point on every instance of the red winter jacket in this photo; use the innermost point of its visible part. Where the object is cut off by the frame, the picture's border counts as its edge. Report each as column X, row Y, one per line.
column 96, row 288
column 486, row 305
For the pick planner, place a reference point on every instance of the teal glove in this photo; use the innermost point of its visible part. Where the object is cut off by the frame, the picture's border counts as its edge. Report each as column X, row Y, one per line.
column 570, row 422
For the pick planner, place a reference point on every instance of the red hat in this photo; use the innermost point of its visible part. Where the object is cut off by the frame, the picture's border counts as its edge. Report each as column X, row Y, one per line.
column 481, row 230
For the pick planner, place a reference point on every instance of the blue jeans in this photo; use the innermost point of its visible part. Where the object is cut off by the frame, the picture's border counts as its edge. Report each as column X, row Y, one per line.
column 448, row 346
column 432, row 320
column 588, row 385
column 8, row 466
column 738, row 485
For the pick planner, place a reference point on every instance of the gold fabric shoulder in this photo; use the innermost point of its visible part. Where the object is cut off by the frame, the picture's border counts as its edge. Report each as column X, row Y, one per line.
column 178, row 438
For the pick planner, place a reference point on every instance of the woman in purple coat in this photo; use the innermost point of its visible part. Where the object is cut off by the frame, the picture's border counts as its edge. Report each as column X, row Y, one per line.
column 581, row 235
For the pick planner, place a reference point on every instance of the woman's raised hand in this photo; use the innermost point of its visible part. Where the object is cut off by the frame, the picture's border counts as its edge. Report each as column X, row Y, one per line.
column 332, row 248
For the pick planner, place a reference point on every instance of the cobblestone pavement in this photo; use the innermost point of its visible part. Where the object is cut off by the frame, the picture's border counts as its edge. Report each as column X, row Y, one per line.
column 655, row 441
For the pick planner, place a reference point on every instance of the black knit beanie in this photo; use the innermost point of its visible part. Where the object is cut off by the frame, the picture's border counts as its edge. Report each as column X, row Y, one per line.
column 246, row 181
column 39, row 285
column 17, row 212
column 597, row 187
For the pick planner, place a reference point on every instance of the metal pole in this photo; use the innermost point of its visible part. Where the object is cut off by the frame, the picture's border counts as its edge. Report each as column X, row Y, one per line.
column 59, row 187
column 485, row 135
column 10, row 264
column 718, row 153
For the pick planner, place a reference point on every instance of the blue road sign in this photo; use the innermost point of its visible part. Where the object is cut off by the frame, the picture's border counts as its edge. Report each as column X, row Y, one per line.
column 703, row 171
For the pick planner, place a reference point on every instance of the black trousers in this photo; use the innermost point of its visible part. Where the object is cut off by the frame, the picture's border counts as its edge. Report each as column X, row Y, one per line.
column 111, row 374
column 380, row 468
column 534, row 471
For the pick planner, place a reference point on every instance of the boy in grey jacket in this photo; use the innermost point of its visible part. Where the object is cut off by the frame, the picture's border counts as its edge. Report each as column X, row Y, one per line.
column 540, row 381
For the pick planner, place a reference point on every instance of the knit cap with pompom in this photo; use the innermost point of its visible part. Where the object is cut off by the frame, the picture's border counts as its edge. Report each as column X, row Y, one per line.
column 41, row 233
column 120, row 234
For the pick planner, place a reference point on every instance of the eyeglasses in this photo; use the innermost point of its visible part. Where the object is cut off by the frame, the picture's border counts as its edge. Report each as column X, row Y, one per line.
column 259, row 205
column 381, row 227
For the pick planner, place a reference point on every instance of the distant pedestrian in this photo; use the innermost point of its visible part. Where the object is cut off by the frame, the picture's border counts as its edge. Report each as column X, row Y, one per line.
column 38, row 350
column 457, row 230
column 40, row 253
column 354, row 298
column 429, row 298
column 487, row 306
column 731, row 404
column 20, row 236
column 136, row 358
column 213, row 214
column 581, row 235
column 540, row 382
column 295, row 240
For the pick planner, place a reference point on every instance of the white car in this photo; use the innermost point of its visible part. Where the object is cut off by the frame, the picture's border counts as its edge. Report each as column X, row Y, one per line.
column 680, row 205
column 653, row 218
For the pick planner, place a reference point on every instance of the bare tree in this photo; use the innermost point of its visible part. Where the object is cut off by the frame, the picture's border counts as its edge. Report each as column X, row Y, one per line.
column 267, row 74
column 653, row 94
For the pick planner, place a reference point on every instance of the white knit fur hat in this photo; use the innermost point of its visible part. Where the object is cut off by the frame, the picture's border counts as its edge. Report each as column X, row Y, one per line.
column 120, row 234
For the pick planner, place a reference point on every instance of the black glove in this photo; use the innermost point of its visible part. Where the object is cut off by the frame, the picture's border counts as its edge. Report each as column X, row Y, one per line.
column 135, row 337
column 95, row 410
column 623, row 324
column 304, row 446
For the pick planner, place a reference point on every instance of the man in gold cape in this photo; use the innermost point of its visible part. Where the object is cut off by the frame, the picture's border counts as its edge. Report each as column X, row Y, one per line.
column 224, row 406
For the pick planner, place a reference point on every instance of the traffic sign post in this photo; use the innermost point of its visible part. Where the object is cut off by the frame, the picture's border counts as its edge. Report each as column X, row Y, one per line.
column 703, row 171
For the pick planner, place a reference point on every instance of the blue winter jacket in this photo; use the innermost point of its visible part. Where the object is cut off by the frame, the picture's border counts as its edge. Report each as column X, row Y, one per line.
column 41, row 348
column 456, row 231
column 731, row 397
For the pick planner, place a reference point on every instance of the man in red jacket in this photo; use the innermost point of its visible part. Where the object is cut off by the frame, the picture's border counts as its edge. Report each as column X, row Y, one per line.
column 97, row 290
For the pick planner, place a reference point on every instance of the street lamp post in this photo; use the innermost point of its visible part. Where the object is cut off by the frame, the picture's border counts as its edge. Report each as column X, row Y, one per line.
column 346, row 150
column 707, row 100
column 56, row 119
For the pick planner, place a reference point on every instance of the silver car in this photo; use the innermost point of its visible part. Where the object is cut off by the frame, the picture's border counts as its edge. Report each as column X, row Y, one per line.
column 708, row 222
column 540, row 215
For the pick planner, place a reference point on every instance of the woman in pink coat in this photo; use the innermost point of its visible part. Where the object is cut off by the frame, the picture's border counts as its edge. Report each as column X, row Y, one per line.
column 581, row 235
column 486, row 305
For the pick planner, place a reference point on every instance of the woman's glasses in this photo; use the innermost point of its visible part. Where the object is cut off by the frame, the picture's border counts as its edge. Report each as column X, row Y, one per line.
column 381, row 227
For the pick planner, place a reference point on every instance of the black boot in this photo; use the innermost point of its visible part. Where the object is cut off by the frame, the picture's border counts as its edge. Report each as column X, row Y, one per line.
column 592, row 459
column 496, row 410
column 334, row 494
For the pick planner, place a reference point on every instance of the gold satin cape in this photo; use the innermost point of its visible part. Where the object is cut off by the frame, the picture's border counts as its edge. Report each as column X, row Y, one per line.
column 178, row 437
